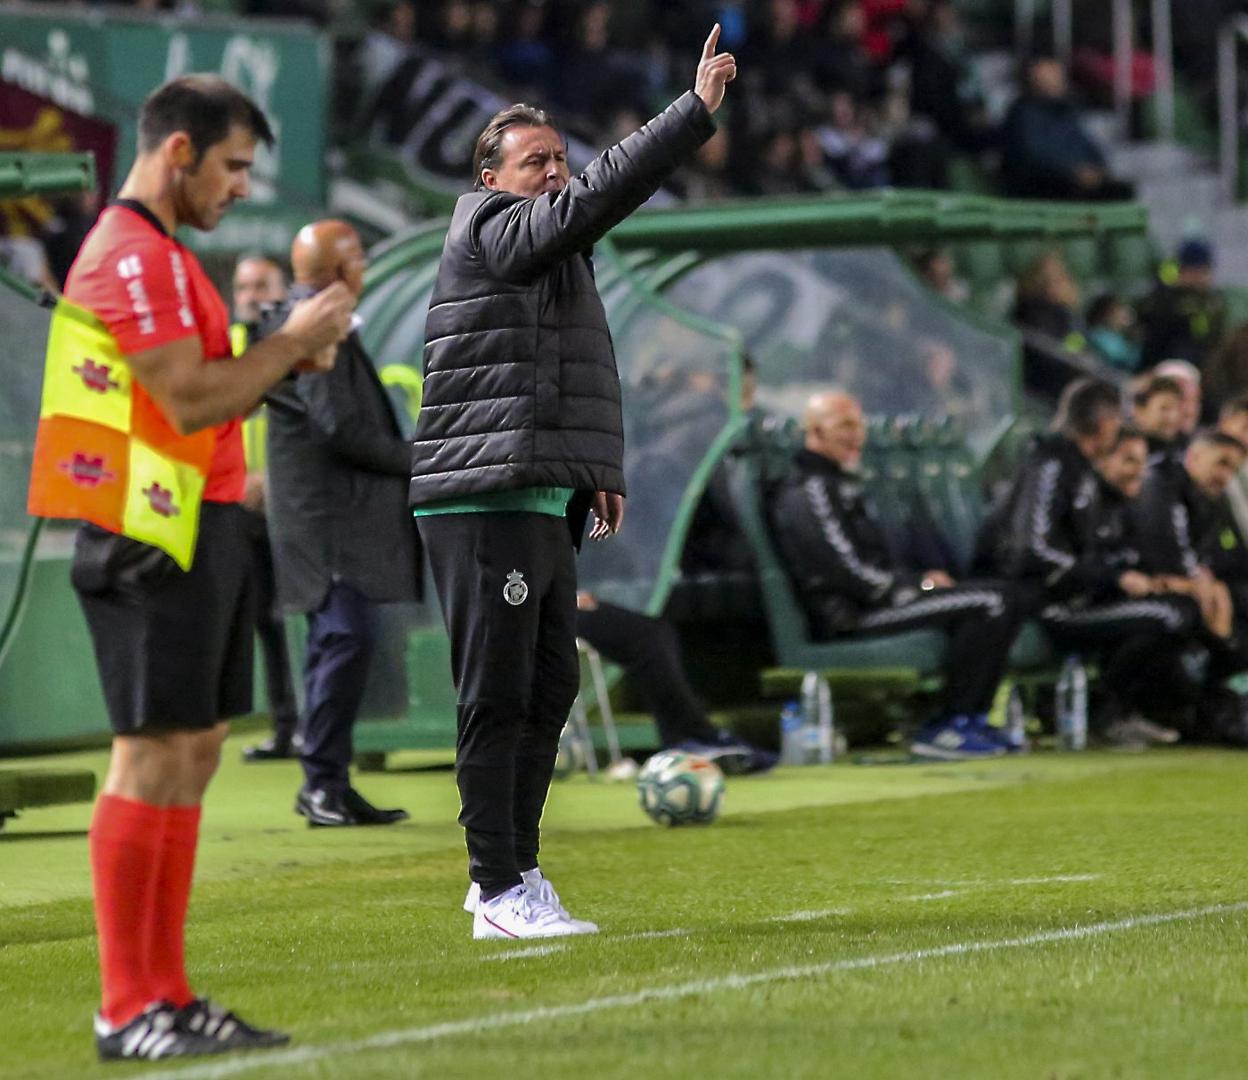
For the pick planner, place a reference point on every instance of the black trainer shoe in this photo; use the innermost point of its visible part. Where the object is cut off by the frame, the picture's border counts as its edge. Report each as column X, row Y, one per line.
column 227, row 1030
column 156, row 1033
column 365, row 813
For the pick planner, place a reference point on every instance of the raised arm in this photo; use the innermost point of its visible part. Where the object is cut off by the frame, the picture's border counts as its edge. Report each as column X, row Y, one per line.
column 519, row 237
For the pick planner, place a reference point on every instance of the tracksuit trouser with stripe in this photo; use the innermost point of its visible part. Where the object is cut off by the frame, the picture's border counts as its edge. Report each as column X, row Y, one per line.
column 507, row 584
column 981, row 621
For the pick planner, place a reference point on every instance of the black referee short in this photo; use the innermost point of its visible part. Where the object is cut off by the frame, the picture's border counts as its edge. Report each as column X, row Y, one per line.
column 174, row 649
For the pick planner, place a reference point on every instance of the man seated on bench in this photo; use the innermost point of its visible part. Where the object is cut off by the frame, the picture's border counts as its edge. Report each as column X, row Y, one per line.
column 1188, row 536
column 1051, row 536
column 850, row 583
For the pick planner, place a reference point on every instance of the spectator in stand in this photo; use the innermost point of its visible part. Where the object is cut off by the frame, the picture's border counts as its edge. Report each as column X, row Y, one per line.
column 886, row 25
column 1048, row 299
column 1157, row 409
column 524, row 56
column 935, row 267
column 857, row 158
column 781, row 53
column 1187, row 375
column 1046, row 154
column 391, row 35
column 1185, row 320
column 944, row 86
column 649, row 651
column 841, row 63
column 1110, row 323
column 592, row 78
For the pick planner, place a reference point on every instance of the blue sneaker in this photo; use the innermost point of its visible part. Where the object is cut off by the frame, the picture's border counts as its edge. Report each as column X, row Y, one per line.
column 958, row 738
column 1001, row 736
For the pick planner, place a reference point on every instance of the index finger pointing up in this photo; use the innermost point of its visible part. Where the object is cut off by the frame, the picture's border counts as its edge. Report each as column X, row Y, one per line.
column 708, row 50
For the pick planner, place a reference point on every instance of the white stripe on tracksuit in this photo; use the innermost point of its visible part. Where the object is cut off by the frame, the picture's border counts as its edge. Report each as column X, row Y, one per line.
column 940, row 603
column 1157, row 610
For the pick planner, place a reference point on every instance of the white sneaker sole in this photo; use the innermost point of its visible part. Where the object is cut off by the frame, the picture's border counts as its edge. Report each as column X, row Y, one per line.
column 472, row 901
column 485, row 930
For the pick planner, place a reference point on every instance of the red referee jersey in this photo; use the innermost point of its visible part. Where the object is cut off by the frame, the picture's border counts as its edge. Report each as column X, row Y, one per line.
column 149, row 290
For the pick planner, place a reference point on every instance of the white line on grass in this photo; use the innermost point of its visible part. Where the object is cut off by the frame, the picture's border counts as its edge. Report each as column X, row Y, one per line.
column 981, row 883
column 810, row 916
column 937, row 895
column 675, row 932
column 519, row 1018
column 520, row 954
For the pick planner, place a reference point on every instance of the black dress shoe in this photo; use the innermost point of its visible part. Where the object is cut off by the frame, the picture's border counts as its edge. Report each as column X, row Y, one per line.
column 323, row 807
column 272, row 749
column 367, row 814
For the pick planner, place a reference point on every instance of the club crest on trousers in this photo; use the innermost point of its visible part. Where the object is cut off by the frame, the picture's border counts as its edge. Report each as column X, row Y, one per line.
column 516, row 591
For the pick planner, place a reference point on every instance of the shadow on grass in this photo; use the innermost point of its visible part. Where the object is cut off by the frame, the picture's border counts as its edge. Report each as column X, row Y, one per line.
column 61, row 834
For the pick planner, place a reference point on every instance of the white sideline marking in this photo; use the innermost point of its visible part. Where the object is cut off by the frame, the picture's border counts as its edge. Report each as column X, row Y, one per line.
column 937, row 895
column 810, row 916
column 675, row 932
column 520, row 954
column 981, row 883
column 543, row 1014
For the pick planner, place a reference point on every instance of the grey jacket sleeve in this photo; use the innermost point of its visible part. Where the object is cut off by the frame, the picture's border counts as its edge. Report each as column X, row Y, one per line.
column 519, row 238
column 330, row 400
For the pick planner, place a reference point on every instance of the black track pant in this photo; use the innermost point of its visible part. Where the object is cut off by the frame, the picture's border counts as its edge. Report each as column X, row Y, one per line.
column 981, row 621
column 1141, row 644
column 507, row 584
column 649, row 650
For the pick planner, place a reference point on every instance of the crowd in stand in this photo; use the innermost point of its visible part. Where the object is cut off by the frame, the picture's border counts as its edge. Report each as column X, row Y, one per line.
column 834, row 94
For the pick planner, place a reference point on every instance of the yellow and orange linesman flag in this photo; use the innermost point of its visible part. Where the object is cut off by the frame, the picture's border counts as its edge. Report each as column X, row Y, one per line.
column 104, row 452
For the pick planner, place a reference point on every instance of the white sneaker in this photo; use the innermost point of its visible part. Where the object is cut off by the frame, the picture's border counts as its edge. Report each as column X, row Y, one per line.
column 518, row 913
column 545, row 892
column 540, row 884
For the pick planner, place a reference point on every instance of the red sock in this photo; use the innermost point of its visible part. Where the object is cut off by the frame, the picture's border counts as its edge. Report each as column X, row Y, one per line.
column 173, row 892
column 125, row 843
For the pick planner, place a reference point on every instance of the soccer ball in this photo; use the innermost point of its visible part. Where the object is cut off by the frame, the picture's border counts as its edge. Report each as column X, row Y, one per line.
column 676, row 788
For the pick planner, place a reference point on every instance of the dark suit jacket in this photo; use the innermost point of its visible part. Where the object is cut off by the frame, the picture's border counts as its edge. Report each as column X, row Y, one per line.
column 337, row 485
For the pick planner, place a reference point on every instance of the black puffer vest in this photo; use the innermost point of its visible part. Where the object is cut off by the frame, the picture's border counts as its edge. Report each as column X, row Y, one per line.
column 521, row 388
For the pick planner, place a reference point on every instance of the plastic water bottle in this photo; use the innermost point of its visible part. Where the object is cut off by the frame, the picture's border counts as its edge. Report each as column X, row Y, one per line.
column 1072, row 705
column 817, row 719
column 1015, row 721
column 791, row 734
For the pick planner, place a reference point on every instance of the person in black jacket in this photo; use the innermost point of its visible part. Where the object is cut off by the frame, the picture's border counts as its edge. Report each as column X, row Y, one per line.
column 1050, row 541
column 1046, row 153
column 850, row 583
column 519, row 433
column 342, row 538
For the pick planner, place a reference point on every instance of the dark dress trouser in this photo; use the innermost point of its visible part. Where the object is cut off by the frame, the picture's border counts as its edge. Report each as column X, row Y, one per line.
column 516, row 671
column 650, row 649
column 341, row 633
column 271, row 630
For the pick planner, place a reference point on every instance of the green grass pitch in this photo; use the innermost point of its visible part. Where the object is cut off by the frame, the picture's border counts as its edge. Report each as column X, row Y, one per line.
column 1049, row 916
